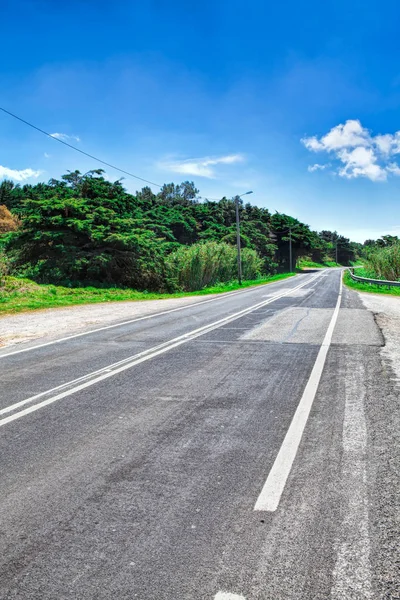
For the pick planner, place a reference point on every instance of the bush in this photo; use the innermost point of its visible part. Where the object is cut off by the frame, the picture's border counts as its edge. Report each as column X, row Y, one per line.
column 8, row 221
column 4, row 266
column 200, row 265
column 385, row 262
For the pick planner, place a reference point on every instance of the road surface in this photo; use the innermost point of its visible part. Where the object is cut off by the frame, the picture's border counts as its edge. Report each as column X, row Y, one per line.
column 237, row 448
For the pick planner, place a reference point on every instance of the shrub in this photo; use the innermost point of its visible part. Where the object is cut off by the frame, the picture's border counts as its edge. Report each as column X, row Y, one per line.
column 200, row 265
column 385, row 262
column 8, row 221
column 4, row 266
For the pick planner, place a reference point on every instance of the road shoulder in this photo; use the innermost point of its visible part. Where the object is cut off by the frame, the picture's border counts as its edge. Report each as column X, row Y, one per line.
column 382, row 406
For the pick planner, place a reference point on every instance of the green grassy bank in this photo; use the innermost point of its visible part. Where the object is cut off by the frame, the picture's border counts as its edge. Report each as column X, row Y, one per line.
column 367, row 287
column 309, row 264
column 17, row 295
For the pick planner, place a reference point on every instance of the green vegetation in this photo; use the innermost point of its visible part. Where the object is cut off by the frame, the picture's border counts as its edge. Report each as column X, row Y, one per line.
column 309, row 264
column 368, row 287
column 18, row 295
column 385, row 262
column 381, row 261
column 365, row 272
column 201, row 265
column 357, row 263
column 86, row 233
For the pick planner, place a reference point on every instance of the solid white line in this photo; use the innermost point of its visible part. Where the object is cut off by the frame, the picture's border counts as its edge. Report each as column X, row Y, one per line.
column 127, row 363
column 273, row 488
column 228, row 596
column 136, row 319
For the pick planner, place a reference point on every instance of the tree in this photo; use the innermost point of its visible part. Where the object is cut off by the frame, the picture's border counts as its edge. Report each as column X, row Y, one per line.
column 85, row 229
column 8, row 221
column 287, row 228
column 345, row 250
column 6, row 188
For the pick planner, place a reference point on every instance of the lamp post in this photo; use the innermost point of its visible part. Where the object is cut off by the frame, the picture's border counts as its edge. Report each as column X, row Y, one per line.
column 336, row 248
column 290, row 247
column 239, row 258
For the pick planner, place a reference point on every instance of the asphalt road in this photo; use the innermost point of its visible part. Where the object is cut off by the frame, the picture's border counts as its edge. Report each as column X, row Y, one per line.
column 234, row 449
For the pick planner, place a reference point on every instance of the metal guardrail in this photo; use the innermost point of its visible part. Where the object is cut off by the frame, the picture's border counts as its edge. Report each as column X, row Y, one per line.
column 373, row 281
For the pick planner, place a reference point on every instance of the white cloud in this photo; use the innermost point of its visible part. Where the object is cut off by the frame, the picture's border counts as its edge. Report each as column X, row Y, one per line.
column 349, row 135
column 384, row 143
column 361, row 162
column 396, row 143
column 318, row 167
column 64, row 136
column 393, row 168
column 6, row 173
column 46, row 155
column 362, row 154
column 201, row 167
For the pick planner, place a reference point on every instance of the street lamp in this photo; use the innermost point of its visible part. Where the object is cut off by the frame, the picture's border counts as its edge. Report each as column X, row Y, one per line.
column 335, row 240
column 239, row 259
column 290, row 247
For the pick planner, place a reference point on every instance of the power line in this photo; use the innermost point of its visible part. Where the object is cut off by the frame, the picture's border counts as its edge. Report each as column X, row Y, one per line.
column 89, row 155
column 78, row 149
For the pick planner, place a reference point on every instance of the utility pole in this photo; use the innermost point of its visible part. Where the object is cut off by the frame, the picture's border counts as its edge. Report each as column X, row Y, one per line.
column 336, row 248
column 290, row 247
column 239, row 255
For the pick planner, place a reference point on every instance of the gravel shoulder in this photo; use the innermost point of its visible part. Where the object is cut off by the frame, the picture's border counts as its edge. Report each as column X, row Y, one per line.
column 387, row 315
column 59, row 322
column 382, row 412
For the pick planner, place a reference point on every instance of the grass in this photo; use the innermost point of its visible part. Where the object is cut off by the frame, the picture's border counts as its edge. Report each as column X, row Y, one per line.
column 309, row 264
column 356, row 263
column 18, row 295
column 368, row 287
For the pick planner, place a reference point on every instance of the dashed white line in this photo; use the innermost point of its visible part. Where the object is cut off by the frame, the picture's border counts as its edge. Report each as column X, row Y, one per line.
column 271, row 493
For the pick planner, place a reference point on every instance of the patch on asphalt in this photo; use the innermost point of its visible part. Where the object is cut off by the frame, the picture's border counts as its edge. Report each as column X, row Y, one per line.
column 304, row 325
column 357, row 326
column 296, row 325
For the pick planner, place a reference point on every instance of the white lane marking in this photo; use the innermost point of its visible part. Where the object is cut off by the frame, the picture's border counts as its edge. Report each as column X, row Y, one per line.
column 352, row 572
column 271, row 493
column 111, row 370
column 151, row 316
column 228, row 596
column 112, row 367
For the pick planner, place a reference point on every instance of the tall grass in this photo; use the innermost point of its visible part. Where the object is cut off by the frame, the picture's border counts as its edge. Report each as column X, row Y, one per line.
column 200, row 265
column 385, row 262
column 3, row 266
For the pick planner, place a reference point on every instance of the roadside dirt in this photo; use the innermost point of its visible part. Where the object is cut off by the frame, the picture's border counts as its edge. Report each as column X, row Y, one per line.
column 387, row 314
column 59, row 322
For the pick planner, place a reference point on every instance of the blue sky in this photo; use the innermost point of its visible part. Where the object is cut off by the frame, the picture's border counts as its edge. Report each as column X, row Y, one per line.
column 298, row 101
